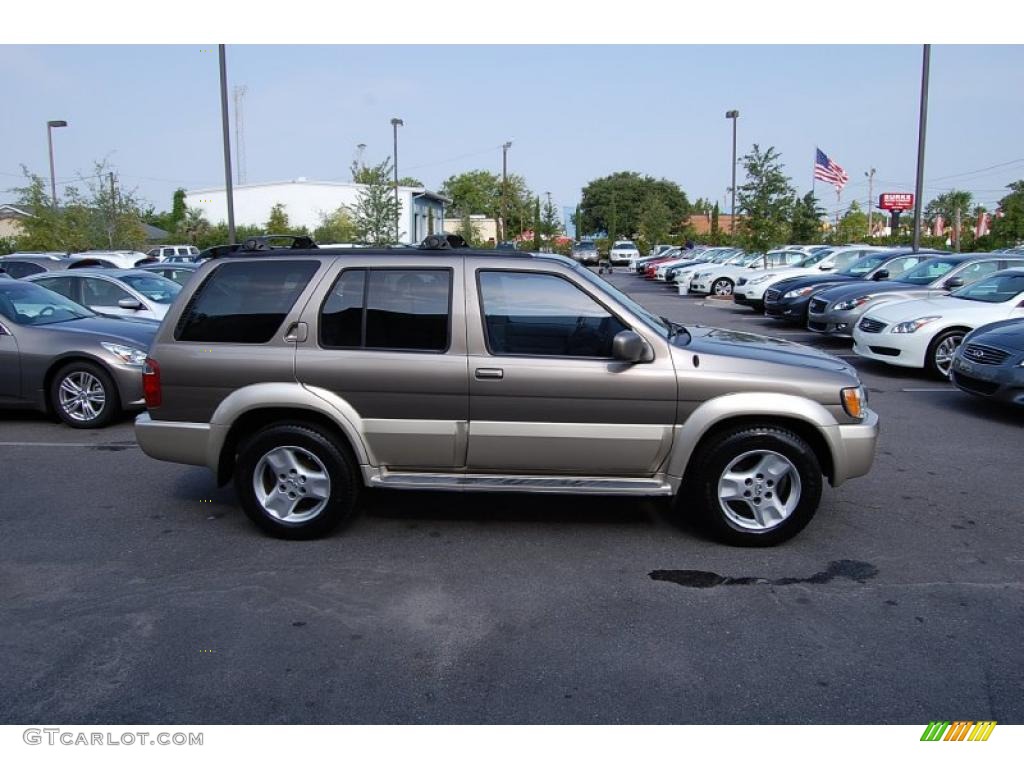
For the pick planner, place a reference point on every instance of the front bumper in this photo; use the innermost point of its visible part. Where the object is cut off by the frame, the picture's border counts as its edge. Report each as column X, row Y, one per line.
column 128, row 379
column 788, row 309
column 833, row 323
column 699, row 286
column 900, row 349
column 1001, row 383
column 853, row 448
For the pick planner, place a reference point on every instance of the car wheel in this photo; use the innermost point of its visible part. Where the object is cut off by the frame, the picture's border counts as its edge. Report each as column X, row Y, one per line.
column 722, row 287
column 939, row 359
column 754, row 486
column 296, row 482
column 84, row 396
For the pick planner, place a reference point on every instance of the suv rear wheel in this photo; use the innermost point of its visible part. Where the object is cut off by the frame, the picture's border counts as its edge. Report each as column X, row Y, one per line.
column 296, row 482
column 754, row 486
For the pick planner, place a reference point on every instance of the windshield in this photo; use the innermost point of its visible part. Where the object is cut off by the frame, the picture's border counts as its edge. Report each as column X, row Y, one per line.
column 652, row 321
column 586, row 246
column 624, row 244
column 30, row 304
column 862, row 266
column 746, row 259
column 814, row 258
column 154, row 287
column 925, row 273
column 993, row 290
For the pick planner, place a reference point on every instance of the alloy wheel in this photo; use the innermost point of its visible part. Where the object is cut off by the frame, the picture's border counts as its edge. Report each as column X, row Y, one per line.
column 291, row 484
column 82, row 396
column 758, row 490
column 944, row 353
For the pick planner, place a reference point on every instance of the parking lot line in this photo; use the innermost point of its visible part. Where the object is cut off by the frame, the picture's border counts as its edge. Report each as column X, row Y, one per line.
column 65, row 445
column 928, row 389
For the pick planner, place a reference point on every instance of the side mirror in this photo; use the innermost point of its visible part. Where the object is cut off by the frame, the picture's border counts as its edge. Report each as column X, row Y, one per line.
column 882, row 274
column 824, row 267
column 953, row 282
column 628, row 347
column 129, row 304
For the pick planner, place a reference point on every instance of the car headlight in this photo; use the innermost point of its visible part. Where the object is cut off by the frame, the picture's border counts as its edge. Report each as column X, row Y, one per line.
column 799, row 292
column 760, row 279
column 855, row 401
column 702, row 275
column 911, row 326
column 852, row 303
column 129, row 355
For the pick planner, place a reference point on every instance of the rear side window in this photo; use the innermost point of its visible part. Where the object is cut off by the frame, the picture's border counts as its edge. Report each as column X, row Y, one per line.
column 244, row 302
column 21, row 268
column 404, row 309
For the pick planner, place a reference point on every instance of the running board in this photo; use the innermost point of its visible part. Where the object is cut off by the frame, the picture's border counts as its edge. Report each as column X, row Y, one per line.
column 605, row 486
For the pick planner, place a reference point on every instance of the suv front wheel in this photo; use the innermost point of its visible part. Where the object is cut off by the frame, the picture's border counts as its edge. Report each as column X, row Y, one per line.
column 754, row 486
column 295, row 481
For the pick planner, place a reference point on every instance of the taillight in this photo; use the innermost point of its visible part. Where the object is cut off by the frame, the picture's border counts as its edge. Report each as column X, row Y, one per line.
column 151, row 383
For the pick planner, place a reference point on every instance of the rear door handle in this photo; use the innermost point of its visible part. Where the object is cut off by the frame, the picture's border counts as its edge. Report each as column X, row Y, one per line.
column 490, row 373
column 297, row 332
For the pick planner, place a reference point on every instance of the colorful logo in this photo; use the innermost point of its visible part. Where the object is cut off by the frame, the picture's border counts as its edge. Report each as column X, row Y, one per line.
column 959, row 730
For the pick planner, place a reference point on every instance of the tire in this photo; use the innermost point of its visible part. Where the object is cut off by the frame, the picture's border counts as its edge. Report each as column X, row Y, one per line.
column 722, row 287
column 84, row 396
column 940, row 352
column 787, row 502
column 296, row 504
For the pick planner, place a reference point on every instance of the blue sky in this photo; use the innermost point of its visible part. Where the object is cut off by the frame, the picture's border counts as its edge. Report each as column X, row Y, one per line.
column 573, row 112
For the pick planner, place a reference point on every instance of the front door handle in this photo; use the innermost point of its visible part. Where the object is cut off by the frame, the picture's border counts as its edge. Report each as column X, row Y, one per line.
column 297, row 332
column 490, row 373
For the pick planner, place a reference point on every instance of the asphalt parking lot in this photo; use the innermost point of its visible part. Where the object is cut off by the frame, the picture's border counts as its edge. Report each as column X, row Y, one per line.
column 133, row 591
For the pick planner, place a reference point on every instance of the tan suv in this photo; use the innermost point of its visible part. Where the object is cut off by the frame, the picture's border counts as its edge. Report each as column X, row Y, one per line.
column 310, row 374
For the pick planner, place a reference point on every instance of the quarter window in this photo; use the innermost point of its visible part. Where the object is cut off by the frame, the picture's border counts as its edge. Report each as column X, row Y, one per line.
column 529, row 313
column 244, row 302
column 388, row 309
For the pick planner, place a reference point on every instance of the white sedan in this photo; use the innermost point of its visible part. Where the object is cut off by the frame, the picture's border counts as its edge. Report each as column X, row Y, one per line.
column 683, row 274
column 720, row 279
column 924, row 333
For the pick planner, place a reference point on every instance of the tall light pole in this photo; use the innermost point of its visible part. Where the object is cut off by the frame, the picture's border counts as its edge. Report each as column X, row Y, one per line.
column 50, row 125
column 922, row 124
column 395, row 122
column 733, row 114
column 871, row 195
column 227, row 141
column 503, row 235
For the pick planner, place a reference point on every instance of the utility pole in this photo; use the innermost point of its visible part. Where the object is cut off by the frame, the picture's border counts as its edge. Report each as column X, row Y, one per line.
column 733, row 114
column 921, row 126
column 956, row 230
column 871, row 195
column 226, row 130
column 503, row 229
column 395, row 122
column 50, row 125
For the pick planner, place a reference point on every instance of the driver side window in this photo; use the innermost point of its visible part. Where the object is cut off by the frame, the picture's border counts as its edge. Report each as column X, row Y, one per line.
column 526, row 313
column 101, row 293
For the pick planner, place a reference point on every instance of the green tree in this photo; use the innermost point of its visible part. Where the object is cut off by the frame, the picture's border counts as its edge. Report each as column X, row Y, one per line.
column 536, row 224
column 852, row 225
column 468, row 230
column 764, row 200
column 655, row 222
column 278, row 223
column 1008, row 222
column 376, row 210
column 194, row 227
column 715, row 213
column 550, row 220
column 805, row 224
column 616, row 202
column 409, row 181
column 337, row 226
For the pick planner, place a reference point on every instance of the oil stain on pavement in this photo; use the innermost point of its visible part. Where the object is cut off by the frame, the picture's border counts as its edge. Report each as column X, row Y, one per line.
column 854, row 570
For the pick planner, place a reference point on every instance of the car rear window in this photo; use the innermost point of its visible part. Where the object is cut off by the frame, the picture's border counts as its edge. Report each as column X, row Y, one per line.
column 244, row 302
column 397, row 309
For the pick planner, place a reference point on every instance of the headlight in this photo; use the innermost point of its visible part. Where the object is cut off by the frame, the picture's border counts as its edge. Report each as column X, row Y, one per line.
column 799, row 292
column 852, row 303
column 760, row 279
column 855, row 401
column 911, row 326
column 129, row 355
column 702, row 275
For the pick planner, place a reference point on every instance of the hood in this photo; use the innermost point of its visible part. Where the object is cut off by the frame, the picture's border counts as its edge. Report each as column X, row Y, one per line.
column 125, row 331
column 1006, row 334
column 762, row 349
column 945, row 306
column 802, row 281
column 852, row 289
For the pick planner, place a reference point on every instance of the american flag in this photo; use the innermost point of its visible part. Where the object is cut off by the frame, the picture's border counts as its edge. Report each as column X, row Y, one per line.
column 829, row 170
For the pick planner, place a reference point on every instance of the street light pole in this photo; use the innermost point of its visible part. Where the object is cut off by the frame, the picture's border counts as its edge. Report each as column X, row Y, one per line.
column 733, row 114
column 871, row 195
column 922, row 124
column 503, row 235
column 395, row 122
column 227, row 142
column 50, row 125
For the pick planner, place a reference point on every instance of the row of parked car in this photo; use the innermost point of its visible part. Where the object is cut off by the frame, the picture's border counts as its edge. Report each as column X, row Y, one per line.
column 955, row 315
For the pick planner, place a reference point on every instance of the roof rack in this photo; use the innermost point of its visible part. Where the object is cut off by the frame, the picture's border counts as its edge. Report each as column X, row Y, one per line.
column 443, row 241
column 269, row 242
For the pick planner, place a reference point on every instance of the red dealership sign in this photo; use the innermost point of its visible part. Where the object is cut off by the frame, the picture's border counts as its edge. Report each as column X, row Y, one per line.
column 896, row 201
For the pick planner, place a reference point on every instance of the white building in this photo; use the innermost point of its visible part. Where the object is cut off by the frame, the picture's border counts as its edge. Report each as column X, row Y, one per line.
column 306, row 202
